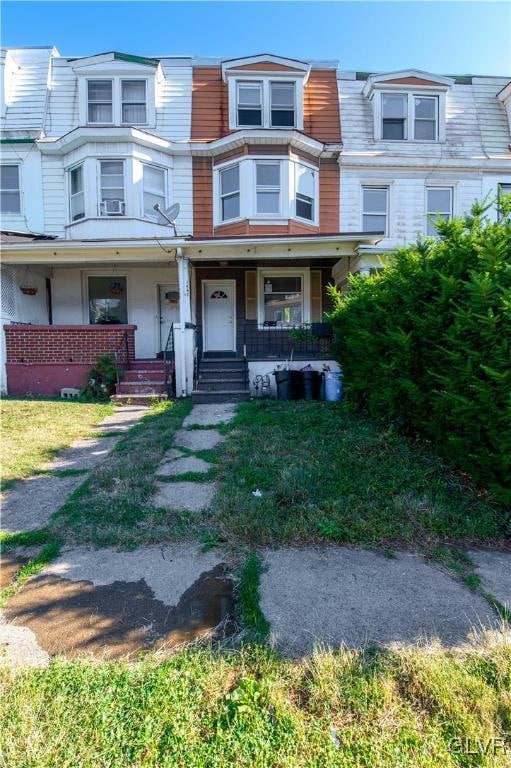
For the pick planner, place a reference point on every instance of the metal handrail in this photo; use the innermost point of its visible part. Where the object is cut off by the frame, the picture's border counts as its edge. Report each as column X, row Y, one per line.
column 197, row 353
column 121, row 357
column 277, row 340
column 168, row 358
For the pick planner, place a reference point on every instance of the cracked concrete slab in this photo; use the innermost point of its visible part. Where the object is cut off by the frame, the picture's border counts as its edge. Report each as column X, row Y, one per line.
column 184, row 496
column 112, row 604
column 170, row 455
column 205, row 414
column 83, row 454
column 122, row 419
column 19, row 648
column 182, row 465
column 494, row 570
column 358, row 598
column 31, row 503
column 198, row 439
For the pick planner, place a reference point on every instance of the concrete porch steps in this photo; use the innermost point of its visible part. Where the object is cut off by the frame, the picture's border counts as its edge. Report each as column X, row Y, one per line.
column 143, row 382
column 221, row 380
column 220, row 396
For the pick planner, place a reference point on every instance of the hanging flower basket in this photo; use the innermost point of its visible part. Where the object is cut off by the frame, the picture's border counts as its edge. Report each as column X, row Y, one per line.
column 28, row 290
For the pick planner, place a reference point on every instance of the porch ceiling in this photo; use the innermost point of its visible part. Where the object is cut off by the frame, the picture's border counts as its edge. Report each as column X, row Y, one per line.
column 68, row 252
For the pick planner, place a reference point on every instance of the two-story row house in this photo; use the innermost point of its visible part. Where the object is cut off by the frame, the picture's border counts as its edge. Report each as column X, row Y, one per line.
column 193, row 212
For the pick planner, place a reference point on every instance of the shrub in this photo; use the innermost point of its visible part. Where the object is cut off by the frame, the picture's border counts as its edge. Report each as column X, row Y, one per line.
column 101, row 379
column 426, row 342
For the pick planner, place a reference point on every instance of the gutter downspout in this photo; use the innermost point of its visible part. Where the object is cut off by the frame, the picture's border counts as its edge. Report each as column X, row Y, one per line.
column 183, row 272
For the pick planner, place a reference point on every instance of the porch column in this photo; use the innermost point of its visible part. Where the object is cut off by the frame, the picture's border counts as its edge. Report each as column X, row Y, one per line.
column 184, row 345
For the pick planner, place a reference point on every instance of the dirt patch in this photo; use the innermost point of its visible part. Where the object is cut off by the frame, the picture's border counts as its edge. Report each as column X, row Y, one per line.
column 120, row 619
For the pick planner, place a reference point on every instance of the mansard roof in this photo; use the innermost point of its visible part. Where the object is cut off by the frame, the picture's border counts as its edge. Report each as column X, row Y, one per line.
column 262, row 62
column 407, row 77
column 102, row 58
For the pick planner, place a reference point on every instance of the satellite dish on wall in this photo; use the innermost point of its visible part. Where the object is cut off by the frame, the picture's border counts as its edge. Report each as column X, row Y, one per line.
column 170, row 214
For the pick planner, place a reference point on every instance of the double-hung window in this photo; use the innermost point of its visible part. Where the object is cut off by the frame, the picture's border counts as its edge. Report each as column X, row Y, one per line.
column 154, row 189
column 305, row 192
column 504, row 191
column 112, row 188
column 425, row 124
column 100, row 101
column 438, row 203
column 267, row 188
column 230, row 193
column 394, row 109
column 250, row 104
column 282, row 105
column 76, row 193
column 282, row 299
column 133, row 102
column 375, row 209
column 10, row 193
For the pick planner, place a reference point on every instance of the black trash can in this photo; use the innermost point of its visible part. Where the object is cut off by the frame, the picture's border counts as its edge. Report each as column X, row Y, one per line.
column 283, row 381
column 296, row 385
column 311, row 385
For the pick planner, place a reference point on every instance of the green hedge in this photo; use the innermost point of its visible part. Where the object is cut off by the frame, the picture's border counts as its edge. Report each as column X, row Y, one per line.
column 426, row 342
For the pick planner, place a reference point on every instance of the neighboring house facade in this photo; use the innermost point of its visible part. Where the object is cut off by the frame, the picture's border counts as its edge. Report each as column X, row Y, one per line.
column 288, row 174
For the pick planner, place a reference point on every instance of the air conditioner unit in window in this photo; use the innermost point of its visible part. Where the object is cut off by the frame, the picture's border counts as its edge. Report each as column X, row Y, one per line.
column 112, row 208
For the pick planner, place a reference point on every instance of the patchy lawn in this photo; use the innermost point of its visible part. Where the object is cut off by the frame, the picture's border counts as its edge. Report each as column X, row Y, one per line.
column 33, row 431
column 414, row 709
column 326, row 473
column 111, row 507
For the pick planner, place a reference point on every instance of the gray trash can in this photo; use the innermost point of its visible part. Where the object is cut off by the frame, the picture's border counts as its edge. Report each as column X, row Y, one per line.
column 333, row 385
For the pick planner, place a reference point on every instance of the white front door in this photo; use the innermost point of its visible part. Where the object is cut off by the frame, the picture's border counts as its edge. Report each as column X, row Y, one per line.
column 219, row 302
column 168, row 301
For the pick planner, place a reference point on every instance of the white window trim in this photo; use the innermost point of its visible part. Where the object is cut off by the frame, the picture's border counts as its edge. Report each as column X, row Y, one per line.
column 98, row 199
column 249, row 82
column 117, row 98
column 411, row 93
column 19, row 214
column 143, row 214
column 70, row 195
column 122, row 102
column 248, row 210
column 265, row 81
column 263, row 272
column 262, row 188
column 375, row 185
column 439, row 185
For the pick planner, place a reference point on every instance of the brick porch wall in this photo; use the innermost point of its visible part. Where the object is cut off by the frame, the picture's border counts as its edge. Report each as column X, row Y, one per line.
column 41, row 359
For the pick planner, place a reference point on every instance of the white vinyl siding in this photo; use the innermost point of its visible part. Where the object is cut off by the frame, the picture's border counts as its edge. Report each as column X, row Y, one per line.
column 133, row 102
column 154, row 190
column 230, row 193
column 439, row 203
column 375, row 209
column 112, row 201
column 10, row 192
column 268, row 188
column 100, row 101
column 76, row 193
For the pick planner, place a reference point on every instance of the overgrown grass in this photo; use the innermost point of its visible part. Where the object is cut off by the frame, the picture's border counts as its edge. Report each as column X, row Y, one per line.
column 329, row 474
column 202, row 708
column 34, row 430
column 254, row 622
column 112, row 507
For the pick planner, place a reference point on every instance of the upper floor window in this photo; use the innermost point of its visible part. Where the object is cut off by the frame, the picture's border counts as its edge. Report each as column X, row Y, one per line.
column 439, row 203
column 399, row 111
column 10, row 192
column 99, row 101
column 250, row 104
column 76, row 193
column 375, row 209
column 230, row 193
column 133, row 101
column 154, row 189
column 112, row 202
column 282, row 105
column 267, row 188
column 504, row 191
column 305, row 192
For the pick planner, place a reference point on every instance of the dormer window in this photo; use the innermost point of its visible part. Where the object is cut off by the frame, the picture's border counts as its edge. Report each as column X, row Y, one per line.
column 282, row 105
column 133, row 96
column 99, row 101
column 394, row 111
column 425, row 118
column 250, row 104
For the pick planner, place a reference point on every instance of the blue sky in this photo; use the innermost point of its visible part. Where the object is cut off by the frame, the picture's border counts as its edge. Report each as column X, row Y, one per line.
column 449, row 37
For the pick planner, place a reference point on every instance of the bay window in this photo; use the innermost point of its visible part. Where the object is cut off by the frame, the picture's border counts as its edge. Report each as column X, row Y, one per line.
column 438, row 203
column 76, row 193
column 153, row 190
column 282, row 299
column 230, row 193
column 100, row 101
column 10, row 192
column 282, row 105
column 267, row 188
column 305, row 192
column 112, row 201
column 133, row 102
column 375, row 209
column 250, row 104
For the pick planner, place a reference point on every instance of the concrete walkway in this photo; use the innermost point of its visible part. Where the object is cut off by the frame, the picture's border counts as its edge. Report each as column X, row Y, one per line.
column 173, row 494
column 31, row 503
column 342, row 596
